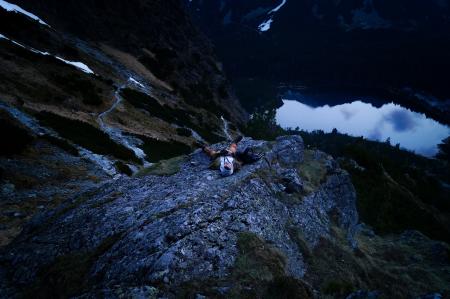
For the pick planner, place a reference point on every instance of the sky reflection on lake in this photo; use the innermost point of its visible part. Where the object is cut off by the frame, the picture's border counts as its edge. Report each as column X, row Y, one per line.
column 412, row 130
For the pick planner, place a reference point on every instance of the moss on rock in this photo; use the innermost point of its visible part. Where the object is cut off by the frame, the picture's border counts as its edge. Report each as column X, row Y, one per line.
column 164, row 167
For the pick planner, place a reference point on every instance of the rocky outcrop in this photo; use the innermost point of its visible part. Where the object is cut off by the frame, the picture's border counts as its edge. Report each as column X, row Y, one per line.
column 159, row 234
column 99, row 89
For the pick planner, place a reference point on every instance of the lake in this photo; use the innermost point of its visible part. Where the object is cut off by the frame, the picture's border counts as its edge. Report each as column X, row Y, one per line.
column 413, row 131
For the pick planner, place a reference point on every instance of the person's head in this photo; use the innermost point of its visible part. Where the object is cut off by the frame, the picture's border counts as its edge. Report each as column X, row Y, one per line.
column 226, row 166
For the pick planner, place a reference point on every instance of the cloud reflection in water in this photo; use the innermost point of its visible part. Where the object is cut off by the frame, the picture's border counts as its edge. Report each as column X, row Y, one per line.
column 412, row 130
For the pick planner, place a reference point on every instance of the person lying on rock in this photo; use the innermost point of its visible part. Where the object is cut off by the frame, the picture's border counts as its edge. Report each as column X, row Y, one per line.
column 229, row 160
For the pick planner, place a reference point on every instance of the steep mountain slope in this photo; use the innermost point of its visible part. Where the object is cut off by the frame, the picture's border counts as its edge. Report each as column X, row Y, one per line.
column 284, row 227
column 373, row 45
column 104, row 86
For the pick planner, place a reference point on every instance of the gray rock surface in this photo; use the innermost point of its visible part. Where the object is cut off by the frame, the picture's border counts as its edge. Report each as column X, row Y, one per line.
column 161, row 231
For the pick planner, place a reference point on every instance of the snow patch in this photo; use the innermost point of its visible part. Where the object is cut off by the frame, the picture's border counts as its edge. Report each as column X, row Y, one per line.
column 265, row 26
column 79, row 65
column 278, row 7
column 132, row 80
column 14, row 8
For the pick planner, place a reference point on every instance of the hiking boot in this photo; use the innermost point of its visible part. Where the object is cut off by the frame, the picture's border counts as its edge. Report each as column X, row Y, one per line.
column 238, row 139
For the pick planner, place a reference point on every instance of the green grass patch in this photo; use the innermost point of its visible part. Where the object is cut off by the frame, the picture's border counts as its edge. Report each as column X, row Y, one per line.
column 177, row 116
column 338, row 288
column 157, row 150
column 76, row 84
column 87, row 136
column 297, row 236
column 62, row 143
column 312, row 171
column 164, row 167
column 184, row 132
column 257, row 260
column 148, row 103
column 260, row 271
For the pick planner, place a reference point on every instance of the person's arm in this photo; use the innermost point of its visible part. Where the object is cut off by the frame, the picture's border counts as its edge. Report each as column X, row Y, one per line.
column 210, row 152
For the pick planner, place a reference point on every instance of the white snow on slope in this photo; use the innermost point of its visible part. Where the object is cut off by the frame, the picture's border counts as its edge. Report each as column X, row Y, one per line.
column 79, row 65
column 12, row 7
column 278, row 7
column 265, row 26
column 136, row 82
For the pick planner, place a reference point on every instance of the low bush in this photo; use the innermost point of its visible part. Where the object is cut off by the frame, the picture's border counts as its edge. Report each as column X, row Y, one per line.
column 76, row 84
column 171, row 115
column 61, row 143
column 184, row 132
column 123, row 168
column 157, row 150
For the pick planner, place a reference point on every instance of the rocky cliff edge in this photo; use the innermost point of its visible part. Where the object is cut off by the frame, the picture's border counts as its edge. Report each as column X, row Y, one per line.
column 189, row 230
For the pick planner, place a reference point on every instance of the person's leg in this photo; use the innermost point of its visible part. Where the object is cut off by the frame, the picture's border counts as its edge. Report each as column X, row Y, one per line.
column 233, row 148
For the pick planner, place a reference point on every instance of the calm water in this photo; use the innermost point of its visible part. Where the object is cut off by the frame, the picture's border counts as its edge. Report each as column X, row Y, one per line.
column 412, row 130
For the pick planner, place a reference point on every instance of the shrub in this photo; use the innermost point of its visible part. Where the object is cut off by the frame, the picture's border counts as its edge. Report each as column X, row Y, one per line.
column 148, row 103
column 123, row 168
column 184, row 132
column 157, row 150
column 63, row 144
column 171, row 115
column 262, row 125
column 338, row 288
column 444, row 149
column 76, row 84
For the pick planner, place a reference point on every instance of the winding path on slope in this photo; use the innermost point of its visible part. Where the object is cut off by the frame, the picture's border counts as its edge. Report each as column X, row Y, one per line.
column 115, row 133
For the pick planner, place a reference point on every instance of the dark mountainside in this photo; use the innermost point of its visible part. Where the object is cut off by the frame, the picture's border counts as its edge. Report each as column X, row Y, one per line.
column 93, row 95
column 383, row 48
column 159, row 35
column 102, row 194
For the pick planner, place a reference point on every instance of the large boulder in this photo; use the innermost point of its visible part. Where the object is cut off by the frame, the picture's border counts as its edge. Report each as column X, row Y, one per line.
column 159, row 234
